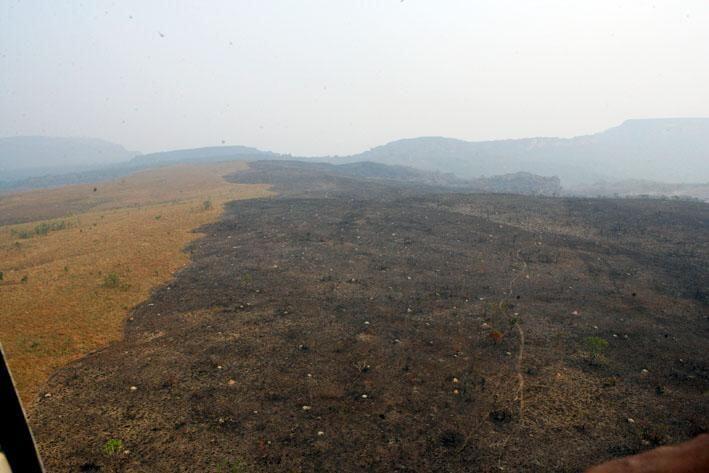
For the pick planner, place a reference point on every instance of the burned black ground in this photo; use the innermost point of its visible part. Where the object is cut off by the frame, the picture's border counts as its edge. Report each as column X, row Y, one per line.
column 353, row 326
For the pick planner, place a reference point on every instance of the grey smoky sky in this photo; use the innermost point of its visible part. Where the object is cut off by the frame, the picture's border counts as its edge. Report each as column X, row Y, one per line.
column 336, row 77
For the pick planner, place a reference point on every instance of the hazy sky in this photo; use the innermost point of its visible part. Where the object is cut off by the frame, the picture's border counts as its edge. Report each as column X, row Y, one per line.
column 335, row 77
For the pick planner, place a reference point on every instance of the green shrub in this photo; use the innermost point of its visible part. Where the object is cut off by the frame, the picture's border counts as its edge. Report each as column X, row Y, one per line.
column 41, row 230
column 45, row 228
column 595, row 346
column 235, row 466
column 207, row 204
column 112, row 446
column 112, row 280
column 24, row 279
column 23, row 234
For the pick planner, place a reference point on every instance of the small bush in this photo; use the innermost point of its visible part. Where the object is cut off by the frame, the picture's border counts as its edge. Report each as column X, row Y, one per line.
column 595, row 346
column 207, row 204
column 23, row 234
column 2, row 275
column 112, row 280
column 235, row 466
column 45, row 228
column 112, row 446
column 24, row 279
column 41, row 230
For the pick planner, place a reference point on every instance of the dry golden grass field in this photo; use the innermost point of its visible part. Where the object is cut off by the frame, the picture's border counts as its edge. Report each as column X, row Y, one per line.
column 84, row 255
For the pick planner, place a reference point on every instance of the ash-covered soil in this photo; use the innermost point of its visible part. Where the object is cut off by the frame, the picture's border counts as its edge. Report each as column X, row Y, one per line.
column 351, row 326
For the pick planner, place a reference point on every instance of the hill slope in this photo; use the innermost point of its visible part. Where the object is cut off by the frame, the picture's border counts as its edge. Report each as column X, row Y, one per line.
column 208, row 154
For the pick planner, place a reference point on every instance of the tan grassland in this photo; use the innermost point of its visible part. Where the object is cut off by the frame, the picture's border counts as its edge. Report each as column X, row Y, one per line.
column 67, row 288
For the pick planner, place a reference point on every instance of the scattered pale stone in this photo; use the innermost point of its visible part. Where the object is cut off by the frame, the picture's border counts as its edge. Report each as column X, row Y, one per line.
column 320, row 433
column 133, row 388
column 306, row 408
column 231, row 382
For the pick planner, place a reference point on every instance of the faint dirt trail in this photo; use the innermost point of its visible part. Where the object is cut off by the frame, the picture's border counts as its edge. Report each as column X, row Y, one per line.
column 520, row 354
column 518, row 365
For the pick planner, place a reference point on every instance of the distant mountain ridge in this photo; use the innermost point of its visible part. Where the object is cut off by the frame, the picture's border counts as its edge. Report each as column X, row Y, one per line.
column 669, row 150
column 665, row 150
column 29, row 156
